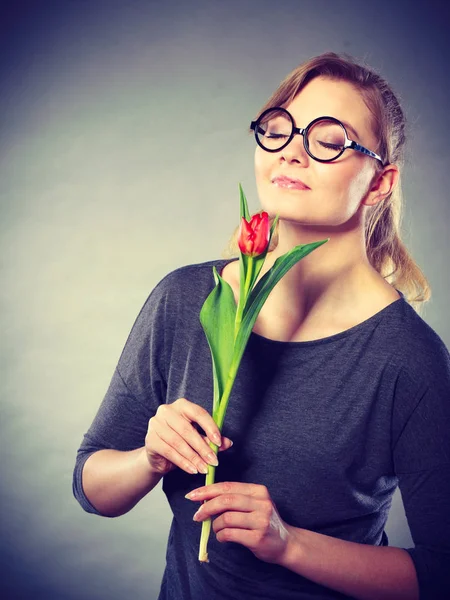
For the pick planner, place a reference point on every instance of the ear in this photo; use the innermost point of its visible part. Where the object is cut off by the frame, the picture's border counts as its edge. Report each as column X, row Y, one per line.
column 382, row 185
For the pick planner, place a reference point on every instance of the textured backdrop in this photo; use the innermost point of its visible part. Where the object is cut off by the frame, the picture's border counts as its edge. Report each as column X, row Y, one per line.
column 123, row 139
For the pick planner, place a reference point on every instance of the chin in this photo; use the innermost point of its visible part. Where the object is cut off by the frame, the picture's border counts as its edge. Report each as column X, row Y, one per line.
column 286, row 211
column 273, row 204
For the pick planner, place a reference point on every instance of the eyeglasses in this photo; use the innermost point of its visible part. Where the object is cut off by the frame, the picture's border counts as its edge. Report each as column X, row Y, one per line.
column 324, row 139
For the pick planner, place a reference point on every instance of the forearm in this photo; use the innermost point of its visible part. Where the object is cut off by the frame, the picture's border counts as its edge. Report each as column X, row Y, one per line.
column 359, row 570
column 115, row 481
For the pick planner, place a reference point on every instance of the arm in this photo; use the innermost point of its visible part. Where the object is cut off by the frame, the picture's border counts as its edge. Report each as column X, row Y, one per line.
column 115, row 481
column 247, row 515
column 361, row 571
column 421, row 458
column 123, row 455
column 111, row 472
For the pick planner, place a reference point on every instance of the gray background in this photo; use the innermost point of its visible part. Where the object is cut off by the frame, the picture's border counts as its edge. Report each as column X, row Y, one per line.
column 123, row 139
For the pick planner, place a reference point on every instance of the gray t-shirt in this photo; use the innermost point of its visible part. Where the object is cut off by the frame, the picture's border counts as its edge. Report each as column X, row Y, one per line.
column 330, row 426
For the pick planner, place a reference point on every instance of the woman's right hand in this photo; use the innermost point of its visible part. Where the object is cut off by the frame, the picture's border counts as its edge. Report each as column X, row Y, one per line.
column 173, row 441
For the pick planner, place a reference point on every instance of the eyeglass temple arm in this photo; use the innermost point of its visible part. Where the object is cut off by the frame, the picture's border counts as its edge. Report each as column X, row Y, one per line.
column 360, row 148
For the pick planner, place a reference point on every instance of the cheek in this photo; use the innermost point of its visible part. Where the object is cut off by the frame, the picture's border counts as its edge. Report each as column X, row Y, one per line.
column 263, row 171
column 261, row 163
column 345, row 181
column 359, row 184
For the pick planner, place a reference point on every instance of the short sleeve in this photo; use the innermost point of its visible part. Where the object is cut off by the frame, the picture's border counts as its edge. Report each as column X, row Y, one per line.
column 422, row 464
column 137, row 387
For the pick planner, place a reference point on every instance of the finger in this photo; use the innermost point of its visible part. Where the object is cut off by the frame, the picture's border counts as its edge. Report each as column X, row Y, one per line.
column 180, row 452
column 224, row 503
column 229, row 487
column 191, row 440
column 226, row 444
column 240, row 520
column 247, row 538
column 160, row 447
column 196, row 413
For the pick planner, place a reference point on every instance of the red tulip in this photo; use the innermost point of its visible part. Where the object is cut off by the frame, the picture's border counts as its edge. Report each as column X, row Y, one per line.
column 254, row 236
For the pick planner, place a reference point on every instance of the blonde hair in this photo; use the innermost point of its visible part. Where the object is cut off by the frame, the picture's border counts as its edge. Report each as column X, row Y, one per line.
column 385, row 250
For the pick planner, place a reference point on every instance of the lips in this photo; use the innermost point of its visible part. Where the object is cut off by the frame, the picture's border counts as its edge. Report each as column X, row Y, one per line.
column 289, row 183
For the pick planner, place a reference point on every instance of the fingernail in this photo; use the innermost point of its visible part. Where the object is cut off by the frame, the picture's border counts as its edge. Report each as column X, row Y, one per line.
column 217, row 439
column 192, row 495
column 212, row 459
column 231, row 443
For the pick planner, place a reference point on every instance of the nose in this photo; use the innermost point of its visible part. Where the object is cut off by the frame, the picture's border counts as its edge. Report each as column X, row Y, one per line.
column 295, row 151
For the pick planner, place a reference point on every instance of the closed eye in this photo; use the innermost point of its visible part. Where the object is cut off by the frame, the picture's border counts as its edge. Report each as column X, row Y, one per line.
column 276, row 136
column 331, row 146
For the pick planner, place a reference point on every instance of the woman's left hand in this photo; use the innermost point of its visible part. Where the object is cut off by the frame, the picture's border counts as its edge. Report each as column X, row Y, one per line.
column 247, row 516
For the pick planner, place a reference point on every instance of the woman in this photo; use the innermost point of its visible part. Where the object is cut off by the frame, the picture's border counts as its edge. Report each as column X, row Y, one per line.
column 342, row 394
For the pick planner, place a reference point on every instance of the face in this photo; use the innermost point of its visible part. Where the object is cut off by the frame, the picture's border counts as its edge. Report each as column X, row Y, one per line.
column 336, row 188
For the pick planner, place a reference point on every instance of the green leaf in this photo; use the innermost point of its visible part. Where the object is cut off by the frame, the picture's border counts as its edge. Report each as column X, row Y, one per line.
column 263, row 288
column 280, row 267
column 217, row 318
column 243, row 204
column 272, row 229
column 243, row 259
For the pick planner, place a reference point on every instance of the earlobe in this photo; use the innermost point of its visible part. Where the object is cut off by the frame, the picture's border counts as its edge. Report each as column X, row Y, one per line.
column 383, row 185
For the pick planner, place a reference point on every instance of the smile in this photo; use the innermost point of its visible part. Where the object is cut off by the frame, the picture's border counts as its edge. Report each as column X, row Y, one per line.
column 290, row 184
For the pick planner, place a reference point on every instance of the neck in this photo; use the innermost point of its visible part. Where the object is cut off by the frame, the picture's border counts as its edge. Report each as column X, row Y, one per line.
column 332, row 276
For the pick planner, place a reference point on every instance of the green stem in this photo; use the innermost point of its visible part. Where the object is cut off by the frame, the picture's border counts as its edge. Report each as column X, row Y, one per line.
column 219, row 419
column 206, row 525
column 243, row 295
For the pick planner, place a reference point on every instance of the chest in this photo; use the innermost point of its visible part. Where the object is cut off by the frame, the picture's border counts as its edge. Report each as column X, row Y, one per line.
column 325, row 406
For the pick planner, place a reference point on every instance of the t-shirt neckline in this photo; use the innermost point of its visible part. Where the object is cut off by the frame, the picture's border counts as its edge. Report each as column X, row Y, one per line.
column 368, row 324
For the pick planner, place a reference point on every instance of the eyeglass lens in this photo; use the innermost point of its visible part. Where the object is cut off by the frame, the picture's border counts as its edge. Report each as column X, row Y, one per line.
column 325, row 140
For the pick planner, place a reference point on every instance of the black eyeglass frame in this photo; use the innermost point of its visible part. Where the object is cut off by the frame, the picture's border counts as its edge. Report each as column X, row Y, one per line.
column 254, row 125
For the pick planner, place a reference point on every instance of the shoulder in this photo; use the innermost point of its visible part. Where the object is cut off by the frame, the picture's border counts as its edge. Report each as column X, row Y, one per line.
column 175, row 299
column 413, row 335
column 185, row 285
column 195, row 272
column 193, row 278
column 416, row 371
column 416, row 347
